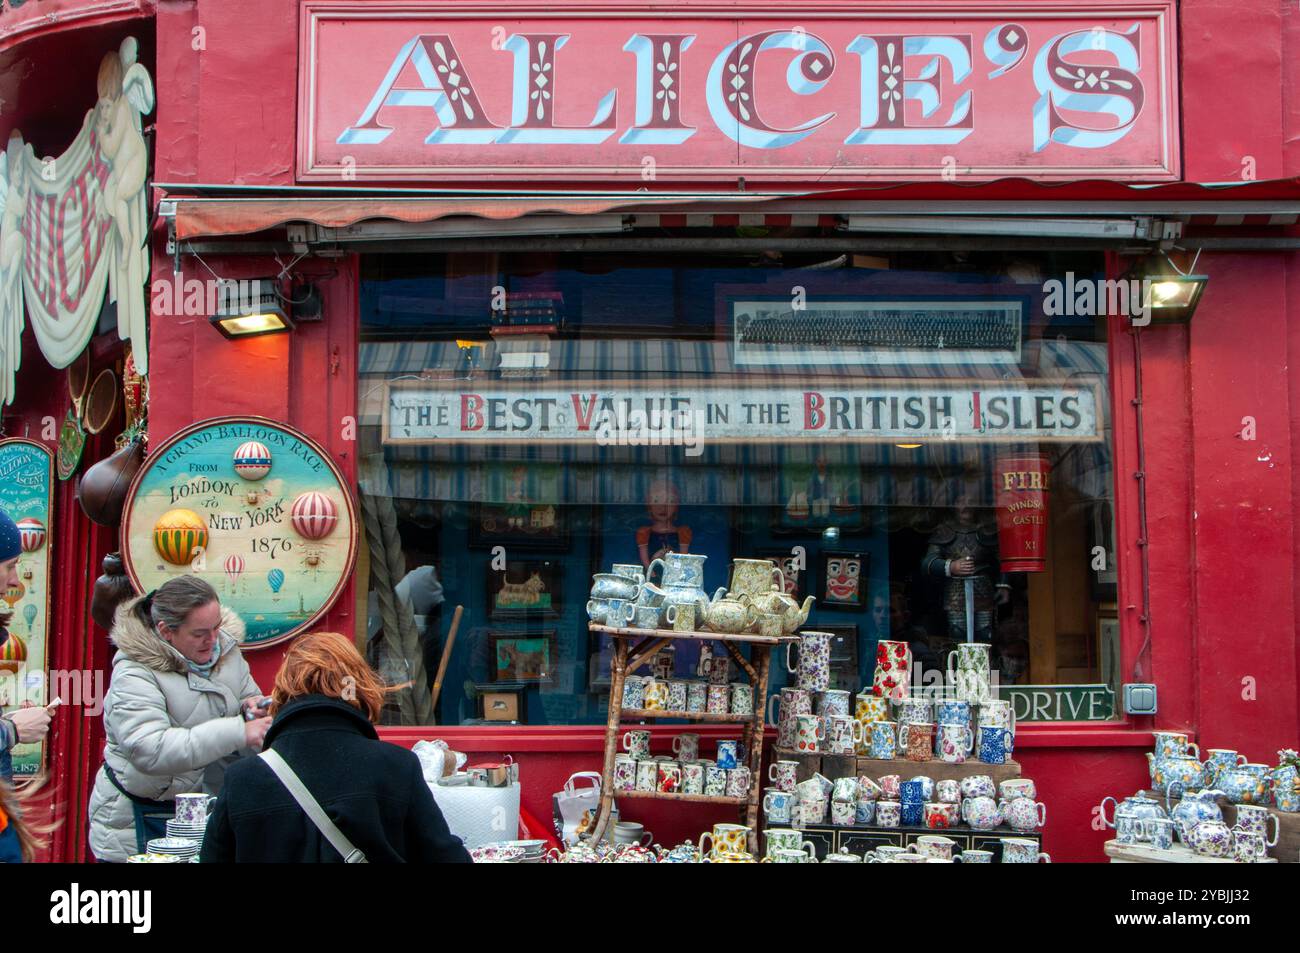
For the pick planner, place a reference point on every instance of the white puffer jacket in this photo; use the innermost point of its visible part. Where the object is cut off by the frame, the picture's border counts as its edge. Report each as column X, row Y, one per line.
column 168, row 730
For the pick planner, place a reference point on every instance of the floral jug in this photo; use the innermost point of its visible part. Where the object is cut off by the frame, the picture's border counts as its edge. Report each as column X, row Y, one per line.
column 1195, row 806
column 1284, row 780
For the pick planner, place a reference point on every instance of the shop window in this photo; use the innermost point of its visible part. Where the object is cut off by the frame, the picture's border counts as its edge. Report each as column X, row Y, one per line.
column 917, row 444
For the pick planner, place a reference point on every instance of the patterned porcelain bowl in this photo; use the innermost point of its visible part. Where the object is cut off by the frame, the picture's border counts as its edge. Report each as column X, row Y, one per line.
column 497, row 854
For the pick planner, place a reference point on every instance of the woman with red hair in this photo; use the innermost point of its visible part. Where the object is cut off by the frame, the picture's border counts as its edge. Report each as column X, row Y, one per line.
column 372, row 793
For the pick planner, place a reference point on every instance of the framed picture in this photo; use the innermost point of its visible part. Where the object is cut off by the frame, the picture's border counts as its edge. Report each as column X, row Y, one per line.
column 844, row 657
column 816, row 490
column 795, row 578
column 522, row 657
column 518, row 507
column 844, row 578
column 525, row 588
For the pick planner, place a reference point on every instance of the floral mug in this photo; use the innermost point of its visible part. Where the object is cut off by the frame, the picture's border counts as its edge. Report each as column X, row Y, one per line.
column 726, row 839
column 954, row 743
column 809, row 733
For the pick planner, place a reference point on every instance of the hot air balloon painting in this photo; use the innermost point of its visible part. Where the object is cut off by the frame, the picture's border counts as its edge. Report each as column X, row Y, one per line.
column 13, row 594
column 29, row 614
column 252, row 460
column 275, row 579
column 31, row 533
column 234, row 566
column 177, row 536
column 314, row 515
column 13, row 653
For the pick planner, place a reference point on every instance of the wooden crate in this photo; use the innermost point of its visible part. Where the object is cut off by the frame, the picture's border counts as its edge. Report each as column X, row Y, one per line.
column 836, row 766
column 939, row 770
column 1287, row 849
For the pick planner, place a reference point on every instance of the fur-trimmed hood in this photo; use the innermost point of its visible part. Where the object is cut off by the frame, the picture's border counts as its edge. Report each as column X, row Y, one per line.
column 142, row 643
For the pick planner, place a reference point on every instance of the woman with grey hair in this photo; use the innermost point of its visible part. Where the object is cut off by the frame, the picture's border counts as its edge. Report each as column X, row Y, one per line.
column 181, row 706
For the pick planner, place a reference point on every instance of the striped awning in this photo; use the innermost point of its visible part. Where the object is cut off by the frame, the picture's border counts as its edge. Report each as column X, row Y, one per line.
column 721, row 475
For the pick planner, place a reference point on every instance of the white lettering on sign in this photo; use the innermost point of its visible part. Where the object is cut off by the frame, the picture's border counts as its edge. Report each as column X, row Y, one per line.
column 404, row 93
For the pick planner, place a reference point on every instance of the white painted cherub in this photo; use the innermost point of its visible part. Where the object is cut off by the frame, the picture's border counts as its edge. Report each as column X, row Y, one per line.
column 125, row 93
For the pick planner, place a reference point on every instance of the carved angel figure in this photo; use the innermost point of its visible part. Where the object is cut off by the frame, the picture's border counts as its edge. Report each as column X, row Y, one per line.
column 125, row 93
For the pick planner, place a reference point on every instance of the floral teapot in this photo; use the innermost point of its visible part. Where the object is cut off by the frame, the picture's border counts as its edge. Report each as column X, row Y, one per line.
column 729, row 615
column 1212, row 839
column 1195, row 806
column 1184, row 769
column 1135, row 808
column 792, row 614
column 1244, row 785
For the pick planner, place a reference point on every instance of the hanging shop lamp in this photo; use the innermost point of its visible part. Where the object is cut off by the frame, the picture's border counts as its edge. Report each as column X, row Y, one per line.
column 250, row 308
column 1169, row 293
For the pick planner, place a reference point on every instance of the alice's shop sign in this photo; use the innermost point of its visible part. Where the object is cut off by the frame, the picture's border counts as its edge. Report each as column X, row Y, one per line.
column 419, row 412
column 763, row 90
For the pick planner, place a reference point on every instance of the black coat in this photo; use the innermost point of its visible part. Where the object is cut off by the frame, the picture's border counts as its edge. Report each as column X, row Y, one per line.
column 374, row 791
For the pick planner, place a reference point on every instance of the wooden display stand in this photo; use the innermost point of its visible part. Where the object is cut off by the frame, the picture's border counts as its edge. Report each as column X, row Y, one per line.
column 858, row 839
column 828, row 838
column 1178, row 854
column 1287, row 849
column 629, row 657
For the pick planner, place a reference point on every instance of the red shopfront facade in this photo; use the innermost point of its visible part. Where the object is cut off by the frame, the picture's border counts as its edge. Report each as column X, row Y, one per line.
column 243, row 147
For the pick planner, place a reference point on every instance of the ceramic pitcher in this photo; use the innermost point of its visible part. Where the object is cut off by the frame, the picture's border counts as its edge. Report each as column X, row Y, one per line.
column 893, row 669
column 968, row 671
column 1194, row 807
column 755, row 577
column 679, row 569
column 1284, row 781
column 792, row 702
column 814, row 669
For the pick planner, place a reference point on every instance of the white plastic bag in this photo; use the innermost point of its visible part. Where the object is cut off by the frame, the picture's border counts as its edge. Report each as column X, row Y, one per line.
column 577, row 806
column 437, row 761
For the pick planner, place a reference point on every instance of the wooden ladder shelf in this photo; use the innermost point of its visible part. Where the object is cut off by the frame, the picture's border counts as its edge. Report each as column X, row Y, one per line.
column 628, row 657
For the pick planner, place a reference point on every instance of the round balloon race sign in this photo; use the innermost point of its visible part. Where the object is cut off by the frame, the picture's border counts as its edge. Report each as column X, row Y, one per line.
column 254, row 507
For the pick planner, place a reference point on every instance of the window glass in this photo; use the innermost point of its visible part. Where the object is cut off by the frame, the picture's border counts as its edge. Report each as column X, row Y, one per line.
column 915, row 440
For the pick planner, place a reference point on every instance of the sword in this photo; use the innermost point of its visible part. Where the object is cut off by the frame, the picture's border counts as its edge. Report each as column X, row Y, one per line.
column 969, row 583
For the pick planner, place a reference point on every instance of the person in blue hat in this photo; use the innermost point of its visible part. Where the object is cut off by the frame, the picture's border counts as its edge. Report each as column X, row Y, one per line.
column 28, row 724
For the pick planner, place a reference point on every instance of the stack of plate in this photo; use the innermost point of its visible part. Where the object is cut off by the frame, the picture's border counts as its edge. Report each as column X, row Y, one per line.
column 534, row 850
column 155, row 859
column 181, row 847
column 177, row 828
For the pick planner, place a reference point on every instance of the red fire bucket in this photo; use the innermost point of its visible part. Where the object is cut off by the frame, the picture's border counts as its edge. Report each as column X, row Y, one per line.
column 1020, row 486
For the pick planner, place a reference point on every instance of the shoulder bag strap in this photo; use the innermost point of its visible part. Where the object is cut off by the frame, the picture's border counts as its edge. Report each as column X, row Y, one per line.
column 299, row 792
